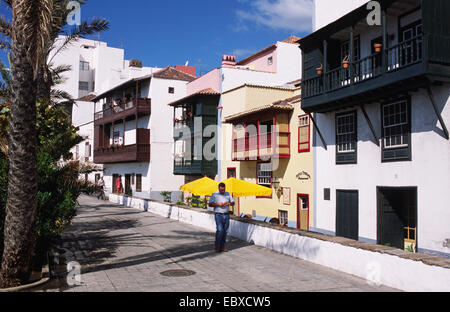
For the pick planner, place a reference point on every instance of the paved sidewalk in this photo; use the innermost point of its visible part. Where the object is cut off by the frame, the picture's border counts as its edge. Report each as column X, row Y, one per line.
column 123, row 249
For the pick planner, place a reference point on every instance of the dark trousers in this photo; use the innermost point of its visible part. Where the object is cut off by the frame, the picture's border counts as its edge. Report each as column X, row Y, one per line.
column 223, row 224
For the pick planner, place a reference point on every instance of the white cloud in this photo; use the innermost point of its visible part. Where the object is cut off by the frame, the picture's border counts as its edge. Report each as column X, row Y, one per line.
column 293, row 15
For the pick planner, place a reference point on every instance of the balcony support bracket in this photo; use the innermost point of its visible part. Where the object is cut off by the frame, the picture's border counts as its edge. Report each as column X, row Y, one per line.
column 318, row 131
column 372, row 129
column 438, row 113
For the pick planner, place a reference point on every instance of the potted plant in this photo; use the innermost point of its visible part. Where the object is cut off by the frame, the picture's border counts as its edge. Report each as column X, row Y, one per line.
column 345, row 62
column 378, row 47
column 319, row 70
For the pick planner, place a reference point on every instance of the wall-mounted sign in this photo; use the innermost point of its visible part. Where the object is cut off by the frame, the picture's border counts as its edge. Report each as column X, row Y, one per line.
column 303, row 176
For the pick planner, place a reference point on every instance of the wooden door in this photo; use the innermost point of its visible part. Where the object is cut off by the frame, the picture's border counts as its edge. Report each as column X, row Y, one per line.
column 303, row 212
column 347, row 214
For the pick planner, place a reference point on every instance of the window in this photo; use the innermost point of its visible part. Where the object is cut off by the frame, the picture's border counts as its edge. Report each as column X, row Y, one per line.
column 83, row 86
column 304, row 134
column 77, row 152
column 87, row 150
column 171, row 90
column 283, row 217
column 346, row 138
column 264, row 175
column 270, row 61
column 84, row 65
column 139, row 183
column 327, row 194
column 345, row 49
column 396, row 131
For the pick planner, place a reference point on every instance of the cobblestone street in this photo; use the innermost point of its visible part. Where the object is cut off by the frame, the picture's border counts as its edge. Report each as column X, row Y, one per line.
column 125, row 250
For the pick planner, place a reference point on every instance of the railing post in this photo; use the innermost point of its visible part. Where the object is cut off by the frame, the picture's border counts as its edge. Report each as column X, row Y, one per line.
column 385, row 42
column 351, row 56
column 325, row 66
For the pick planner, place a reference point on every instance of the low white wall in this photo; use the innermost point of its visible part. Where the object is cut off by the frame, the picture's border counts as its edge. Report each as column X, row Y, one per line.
column 377, row 268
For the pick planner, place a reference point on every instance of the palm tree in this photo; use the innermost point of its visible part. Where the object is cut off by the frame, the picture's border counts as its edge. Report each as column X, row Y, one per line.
column 32, row 32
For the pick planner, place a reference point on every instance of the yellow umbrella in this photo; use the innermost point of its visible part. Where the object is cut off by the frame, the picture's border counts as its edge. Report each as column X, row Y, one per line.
column 239, row 188
column 202, row 187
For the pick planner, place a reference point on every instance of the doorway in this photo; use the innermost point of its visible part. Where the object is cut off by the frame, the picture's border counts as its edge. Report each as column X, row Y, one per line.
column 303, row 212
column 347, row 214
column 397, row 217
column 128, row 184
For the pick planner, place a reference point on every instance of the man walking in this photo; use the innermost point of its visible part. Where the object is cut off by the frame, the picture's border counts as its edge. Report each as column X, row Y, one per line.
column 101, row 185
column 221, row 201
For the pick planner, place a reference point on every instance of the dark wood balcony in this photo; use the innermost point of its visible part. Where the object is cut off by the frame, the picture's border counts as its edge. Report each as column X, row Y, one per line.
column 139, row 152
column 139, row 107
column 185, row 166
column 414, row 61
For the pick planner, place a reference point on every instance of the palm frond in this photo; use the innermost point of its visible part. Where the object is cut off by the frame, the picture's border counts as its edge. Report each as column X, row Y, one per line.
column 5, row 27
column 61, row 96
column 83, row 30
column 57, row 73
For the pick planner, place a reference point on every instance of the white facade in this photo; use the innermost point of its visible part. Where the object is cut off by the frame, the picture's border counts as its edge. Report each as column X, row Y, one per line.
column 95, row 68
column 327, row 11
column 427, row 171
column 95, row 64
column 157, row 175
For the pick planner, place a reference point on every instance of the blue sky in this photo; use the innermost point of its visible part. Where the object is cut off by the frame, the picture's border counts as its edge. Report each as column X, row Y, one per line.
column 171, row 32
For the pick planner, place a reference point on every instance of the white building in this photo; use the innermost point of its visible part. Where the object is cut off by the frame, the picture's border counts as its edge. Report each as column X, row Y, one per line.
column 95, row 68
column 134, row 134
column 382, row 150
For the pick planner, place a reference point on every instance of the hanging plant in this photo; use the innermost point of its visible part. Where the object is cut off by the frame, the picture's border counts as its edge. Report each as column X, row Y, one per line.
column 378, row 47
column 345, row 62
column 319, row 70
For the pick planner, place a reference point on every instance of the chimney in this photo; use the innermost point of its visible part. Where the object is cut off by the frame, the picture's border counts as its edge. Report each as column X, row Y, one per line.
column 190, row 70
column 229, row 61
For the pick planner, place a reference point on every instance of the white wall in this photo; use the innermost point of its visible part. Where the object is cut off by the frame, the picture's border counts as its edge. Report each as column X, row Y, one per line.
column 161, row 124
column 376, row 267
column 328, row 11
column 429, row 171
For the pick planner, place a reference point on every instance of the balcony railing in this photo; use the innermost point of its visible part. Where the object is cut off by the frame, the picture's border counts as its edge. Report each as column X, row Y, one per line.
column 189, row 166
column 397, row 57
column 120, row 153
column 264, row 145
column 143, row 105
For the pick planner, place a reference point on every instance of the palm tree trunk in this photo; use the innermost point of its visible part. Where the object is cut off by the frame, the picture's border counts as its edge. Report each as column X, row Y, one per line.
column 21, row 206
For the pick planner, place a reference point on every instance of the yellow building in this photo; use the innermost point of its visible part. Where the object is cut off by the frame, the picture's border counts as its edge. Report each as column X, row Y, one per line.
column 268, row 140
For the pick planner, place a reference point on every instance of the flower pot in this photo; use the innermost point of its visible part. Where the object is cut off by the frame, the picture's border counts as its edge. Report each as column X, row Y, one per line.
column 378, row 47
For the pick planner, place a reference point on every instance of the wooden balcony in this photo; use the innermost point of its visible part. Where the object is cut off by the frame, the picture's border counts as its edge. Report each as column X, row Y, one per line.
column 262, row 147
column 184, row 166
column 414, row 54
column 139, row 152
column 139, row 107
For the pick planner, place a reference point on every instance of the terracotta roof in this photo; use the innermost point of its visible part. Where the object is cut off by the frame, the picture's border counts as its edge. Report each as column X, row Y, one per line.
column 88, row 98
column 283, row 105
column 207, row 92
column 292, row 40
column 295, row 82
column 171, row 73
